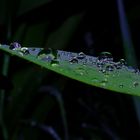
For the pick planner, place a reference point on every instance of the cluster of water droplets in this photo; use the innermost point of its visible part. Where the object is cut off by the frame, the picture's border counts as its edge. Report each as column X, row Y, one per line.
column 103, row 63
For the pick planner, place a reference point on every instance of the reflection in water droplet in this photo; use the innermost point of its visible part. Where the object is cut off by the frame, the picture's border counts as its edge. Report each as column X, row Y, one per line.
column 73, row 60
column 105, row 56
column 14, row 46
column 135, row 84
column 54, row 63
column 81, row 55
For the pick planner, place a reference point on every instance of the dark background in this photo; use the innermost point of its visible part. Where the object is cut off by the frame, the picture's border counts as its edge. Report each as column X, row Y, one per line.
column 39, row 103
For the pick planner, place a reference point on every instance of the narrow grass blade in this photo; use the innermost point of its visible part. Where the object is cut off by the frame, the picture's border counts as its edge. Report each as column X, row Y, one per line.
column 91, row 70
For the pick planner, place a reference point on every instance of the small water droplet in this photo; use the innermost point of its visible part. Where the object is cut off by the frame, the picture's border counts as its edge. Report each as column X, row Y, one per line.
column 81, row 70
column 81, row 55
column 14, row 46
column 121, row 85
column 33, row 49
column 118, row 65
column 104, row 82
column 95, row 80
column 135, row 84
column 110, row 68
column 54, row 63
column 24, row 50
column 122, row 62
column 100, row 64
column 103, row 70
column 105, row 56
column 73, row 60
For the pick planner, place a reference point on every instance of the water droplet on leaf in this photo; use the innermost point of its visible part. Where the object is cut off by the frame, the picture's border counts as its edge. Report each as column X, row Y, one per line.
column 24, row 51
column 135, row 84
column 105, row 56
column 121, row 85
column 122, row 62
column 47, row 54
column 73, row 60
column 110, row 68
column 14, row 46
column 54, row 63
column 81, row 70
column 81, row 55
column 95, row 80
column 104, row 82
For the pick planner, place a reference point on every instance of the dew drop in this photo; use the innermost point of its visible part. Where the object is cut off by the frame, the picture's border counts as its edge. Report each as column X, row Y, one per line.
column 47, row 54
column 54, row 63
column 122, row 62
column 14, row 46
column 135, row 84
column 104, row 82
column 24, row 51
column 81, row 71
column 45, row 51
column 105, row 56
column 81, row 55
column 95, row 80
column 100, row 64
column 73, row 60
column 121, row 85
column 110, row 68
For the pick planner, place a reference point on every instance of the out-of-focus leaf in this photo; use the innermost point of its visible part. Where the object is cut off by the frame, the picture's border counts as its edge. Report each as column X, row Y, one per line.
column 88, row 70
column 61, row 37
column 3, row 11
column 36, row 33
column 22, row 94
column 27, row 5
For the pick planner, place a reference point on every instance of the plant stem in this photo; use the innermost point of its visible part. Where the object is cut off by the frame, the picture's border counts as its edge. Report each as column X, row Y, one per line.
column 2, row 97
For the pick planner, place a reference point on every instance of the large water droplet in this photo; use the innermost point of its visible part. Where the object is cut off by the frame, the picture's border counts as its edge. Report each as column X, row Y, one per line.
column 81, row 55
column 73, row 60
column 24, row 51
column 54, row 63
column 105, row 56
column 47, row 54
column 15, row 46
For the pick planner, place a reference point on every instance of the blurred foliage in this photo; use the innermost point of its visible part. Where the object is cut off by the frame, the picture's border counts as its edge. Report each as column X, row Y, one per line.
column 32, row 113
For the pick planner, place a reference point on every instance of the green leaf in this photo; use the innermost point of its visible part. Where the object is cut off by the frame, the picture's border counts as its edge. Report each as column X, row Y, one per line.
column 86, row 70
